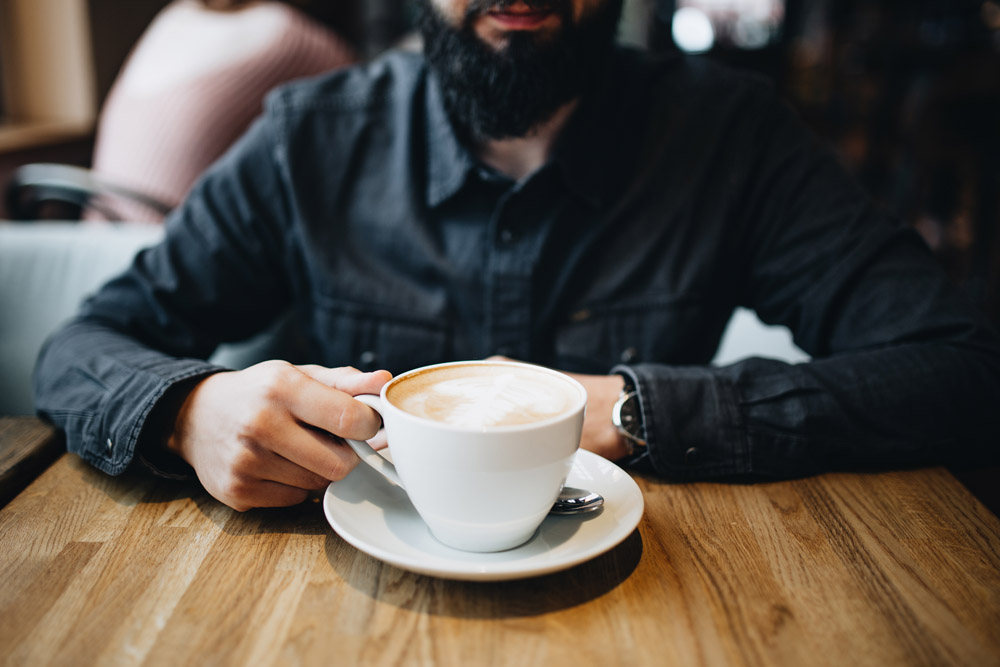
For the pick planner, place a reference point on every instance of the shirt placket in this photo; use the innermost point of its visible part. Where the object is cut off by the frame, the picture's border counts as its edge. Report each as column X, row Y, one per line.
column 516, row 236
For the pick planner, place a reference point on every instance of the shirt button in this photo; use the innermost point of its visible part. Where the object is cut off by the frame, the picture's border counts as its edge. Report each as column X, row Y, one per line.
column 507, row 236
column 367, row 360
column 692, row 455
column 630, row 355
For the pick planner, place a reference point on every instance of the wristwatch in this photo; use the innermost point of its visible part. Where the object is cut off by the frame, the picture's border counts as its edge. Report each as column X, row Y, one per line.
column 627, row 418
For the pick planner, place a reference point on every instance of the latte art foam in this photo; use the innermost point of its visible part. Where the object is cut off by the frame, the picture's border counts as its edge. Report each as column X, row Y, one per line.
column 485, row 396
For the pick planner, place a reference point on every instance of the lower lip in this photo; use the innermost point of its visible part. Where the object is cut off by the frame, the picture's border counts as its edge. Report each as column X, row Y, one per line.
column 530, row 21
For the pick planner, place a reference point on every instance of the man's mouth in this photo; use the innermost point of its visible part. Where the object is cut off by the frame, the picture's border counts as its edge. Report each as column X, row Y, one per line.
column 519, row 16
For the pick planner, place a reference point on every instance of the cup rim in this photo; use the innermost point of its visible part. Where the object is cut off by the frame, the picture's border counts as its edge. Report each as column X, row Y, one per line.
column 581, row 404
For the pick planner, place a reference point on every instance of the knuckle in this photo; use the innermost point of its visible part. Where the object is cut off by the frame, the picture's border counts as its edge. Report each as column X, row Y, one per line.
column 348, row 422
column 273, row 365
column 237, row 492
column 272, row 380
column 357, row 420
column 246, row 458
column 276, row 379
column 339, row 468
column 254, row 428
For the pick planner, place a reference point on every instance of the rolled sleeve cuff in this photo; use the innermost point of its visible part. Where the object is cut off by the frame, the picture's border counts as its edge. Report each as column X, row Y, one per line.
column 113, row 441
column 691, row 415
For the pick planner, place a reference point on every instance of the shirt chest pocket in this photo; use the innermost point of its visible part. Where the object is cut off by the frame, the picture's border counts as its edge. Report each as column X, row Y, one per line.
column 667, row 331
column 374, row 338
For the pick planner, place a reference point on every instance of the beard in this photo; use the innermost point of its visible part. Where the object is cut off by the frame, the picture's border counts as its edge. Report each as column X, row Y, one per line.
column 502, row 93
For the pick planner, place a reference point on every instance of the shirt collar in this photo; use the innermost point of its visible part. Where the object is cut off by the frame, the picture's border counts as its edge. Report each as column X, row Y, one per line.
column 448, row 161
column 583, row 153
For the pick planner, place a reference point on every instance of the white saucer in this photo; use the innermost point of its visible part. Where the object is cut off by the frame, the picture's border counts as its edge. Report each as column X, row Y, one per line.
column 377, row 517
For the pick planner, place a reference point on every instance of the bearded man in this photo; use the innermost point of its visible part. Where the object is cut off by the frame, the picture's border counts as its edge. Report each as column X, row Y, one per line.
column 528, row 189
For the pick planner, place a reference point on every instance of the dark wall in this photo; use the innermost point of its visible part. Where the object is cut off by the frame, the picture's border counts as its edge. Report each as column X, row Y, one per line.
column 907, row 92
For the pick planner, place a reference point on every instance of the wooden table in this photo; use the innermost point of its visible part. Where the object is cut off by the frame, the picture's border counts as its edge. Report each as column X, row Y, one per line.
column 844, row 569
column 27, row 447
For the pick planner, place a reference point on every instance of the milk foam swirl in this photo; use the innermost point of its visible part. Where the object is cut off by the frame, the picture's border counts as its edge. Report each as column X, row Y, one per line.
column 483, row 400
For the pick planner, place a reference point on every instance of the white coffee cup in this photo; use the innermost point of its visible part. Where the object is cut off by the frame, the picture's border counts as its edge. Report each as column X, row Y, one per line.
column 479, row 481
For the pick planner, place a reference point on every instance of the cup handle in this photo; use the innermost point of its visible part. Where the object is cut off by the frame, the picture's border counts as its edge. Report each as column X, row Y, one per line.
column 365, row 451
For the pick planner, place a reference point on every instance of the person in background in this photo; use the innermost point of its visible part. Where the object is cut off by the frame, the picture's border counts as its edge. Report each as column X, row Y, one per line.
column 528, row 188
column 195, row 81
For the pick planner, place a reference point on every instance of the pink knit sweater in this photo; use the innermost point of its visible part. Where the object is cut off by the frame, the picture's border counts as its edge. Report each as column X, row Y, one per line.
column 192, row 86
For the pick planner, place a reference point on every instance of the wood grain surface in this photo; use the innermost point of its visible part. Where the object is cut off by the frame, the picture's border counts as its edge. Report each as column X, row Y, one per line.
column 845, row 569
column 27, row 447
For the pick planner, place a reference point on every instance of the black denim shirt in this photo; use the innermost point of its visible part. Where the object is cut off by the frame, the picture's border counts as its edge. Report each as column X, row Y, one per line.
column 680, row 192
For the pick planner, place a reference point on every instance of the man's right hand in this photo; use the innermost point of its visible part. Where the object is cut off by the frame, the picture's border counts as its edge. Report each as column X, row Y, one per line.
column 267, row 435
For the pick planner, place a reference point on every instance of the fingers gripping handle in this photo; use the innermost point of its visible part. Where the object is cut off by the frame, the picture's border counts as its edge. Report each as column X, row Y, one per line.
column 365, row 451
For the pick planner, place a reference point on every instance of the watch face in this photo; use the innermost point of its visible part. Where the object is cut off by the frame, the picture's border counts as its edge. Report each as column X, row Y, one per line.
column 627, row 418
column 630, row 415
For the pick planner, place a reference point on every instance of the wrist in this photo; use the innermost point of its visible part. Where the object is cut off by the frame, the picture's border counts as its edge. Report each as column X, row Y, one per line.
column 627, row 419
column 163, row 448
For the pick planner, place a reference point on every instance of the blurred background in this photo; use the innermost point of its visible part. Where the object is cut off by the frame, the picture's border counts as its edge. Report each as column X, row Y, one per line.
column 906, row 92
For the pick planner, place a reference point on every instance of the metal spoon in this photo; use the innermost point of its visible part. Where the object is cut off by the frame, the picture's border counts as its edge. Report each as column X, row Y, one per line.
column 576, row 501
